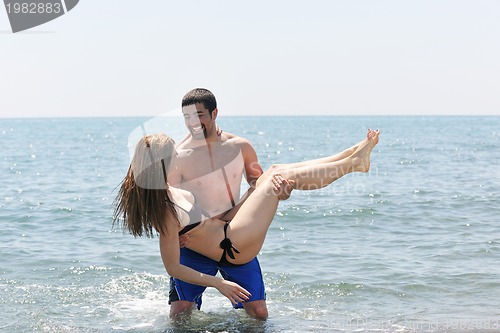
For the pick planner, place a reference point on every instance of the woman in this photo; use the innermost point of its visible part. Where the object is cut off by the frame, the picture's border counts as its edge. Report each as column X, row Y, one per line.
column 147, row 204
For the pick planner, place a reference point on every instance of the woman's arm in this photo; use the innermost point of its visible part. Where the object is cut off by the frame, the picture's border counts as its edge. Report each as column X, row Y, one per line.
column 170, row 255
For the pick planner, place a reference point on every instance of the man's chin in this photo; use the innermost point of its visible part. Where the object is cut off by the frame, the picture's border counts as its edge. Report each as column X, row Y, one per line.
column 198, row 136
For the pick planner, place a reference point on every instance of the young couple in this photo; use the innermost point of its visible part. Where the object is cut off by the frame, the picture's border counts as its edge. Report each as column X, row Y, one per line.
column 189, row 194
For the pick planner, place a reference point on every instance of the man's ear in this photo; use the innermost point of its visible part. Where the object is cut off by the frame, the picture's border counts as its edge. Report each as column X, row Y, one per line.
column 214, row 114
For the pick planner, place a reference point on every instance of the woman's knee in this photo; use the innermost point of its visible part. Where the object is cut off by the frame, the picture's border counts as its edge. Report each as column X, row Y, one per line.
column 267, row 176
column 275, row 169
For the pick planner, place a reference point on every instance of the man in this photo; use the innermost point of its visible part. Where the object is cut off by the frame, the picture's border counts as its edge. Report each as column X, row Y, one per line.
column 210, row 165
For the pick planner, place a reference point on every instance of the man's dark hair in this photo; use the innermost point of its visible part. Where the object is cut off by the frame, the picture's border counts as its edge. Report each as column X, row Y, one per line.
column 200, row 95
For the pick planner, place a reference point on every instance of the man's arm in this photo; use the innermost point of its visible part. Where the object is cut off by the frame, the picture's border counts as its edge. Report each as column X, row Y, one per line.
column 253, row 170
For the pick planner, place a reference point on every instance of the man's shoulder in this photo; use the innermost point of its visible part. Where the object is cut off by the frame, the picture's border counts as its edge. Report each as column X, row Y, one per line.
column 186, row 151
column 242, row 144
column 183, row 149
column 235, row 139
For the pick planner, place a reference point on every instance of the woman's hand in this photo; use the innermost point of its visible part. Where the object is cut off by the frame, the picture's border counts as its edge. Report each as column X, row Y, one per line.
column 233, row 291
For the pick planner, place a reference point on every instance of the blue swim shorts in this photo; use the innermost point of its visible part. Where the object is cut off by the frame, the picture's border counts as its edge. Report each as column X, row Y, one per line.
column 249, row 276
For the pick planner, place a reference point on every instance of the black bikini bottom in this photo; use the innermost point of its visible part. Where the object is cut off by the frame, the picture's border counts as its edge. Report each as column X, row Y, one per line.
column 228, row 248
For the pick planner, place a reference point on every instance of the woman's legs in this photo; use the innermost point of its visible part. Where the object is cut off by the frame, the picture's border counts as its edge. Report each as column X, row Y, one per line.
column 332, row 158
column 248, row 229
column 317, row 175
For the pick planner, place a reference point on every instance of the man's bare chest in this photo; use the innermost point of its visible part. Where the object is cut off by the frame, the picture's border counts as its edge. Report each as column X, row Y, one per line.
column 211, row 159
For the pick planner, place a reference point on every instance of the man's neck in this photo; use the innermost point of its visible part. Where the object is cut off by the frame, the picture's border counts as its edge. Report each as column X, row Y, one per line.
column 196, row 143
column 215, row 136
column 212, row 139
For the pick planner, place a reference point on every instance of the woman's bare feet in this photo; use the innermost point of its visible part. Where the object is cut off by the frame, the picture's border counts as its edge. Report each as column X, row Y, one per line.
column 361, row 157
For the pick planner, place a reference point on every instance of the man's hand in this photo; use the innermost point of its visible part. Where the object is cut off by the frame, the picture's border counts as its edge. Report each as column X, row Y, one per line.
column 282, row 187
column 184, row 240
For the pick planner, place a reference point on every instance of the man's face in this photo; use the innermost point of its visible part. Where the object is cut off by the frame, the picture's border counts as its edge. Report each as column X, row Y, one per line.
column 198, row 120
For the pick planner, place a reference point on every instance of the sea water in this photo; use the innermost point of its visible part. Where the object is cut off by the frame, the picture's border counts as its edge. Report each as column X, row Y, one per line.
column 411, row 246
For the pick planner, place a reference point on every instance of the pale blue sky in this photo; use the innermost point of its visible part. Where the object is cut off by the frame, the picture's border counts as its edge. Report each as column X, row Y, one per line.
column 133, row 58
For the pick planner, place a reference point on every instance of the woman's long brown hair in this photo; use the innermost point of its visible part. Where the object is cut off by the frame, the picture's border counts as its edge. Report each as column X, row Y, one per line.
column 142, row 203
